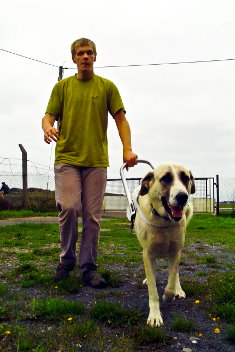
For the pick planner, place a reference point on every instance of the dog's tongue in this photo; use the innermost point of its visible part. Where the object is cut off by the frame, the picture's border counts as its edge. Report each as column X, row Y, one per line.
column 176, row 212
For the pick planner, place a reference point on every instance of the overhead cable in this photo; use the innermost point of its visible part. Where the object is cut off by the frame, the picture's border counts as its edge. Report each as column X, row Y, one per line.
column 29, row 58
column 127, row 65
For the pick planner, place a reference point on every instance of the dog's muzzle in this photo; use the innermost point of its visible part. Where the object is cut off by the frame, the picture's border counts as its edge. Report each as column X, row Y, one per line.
column 175, row 212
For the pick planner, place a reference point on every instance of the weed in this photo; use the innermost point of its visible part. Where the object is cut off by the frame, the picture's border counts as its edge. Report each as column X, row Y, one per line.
column 210, row 259
column 25, row 339
column 84, row 329
column 70, row 285
column 25, row 268
column 183, row 325
column 114, row 314
column 112, row 277
column 221, row 295
column 25, row 257
column 2, row 312
column 147, row 336
column 54, row 308
column 226, row 311
column 35, row 278
column 192, row 288
column 107, row 258
column 123, row 344
column 231, row 334
column 3, row 289
column 201, row 273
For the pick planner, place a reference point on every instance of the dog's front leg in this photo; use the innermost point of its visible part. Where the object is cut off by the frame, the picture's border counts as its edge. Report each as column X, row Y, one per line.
column 155, row 317
column 173, row 287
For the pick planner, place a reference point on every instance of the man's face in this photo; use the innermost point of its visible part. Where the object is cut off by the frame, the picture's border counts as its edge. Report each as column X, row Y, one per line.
column 84, row 57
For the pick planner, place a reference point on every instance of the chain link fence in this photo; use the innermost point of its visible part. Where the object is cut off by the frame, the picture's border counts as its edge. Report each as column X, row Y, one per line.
column 40, row 191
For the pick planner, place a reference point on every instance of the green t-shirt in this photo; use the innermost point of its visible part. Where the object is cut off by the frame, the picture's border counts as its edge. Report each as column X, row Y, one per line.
column 82, row 107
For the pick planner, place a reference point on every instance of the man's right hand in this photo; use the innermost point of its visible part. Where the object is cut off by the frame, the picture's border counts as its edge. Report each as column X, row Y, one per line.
column 51, row 134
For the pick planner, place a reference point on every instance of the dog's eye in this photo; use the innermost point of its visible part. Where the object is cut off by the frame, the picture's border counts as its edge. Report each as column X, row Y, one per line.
column 167, row 178
column 184, row 178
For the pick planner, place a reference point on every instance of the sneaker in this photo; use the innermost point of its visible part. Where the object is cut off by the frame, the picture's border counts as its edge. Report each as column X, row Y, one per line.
column 93, row 279
column 62, row 272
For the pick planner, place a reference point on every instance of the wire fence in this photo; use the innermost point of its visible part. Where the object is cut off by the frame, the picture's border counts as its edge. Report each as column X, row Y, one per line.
column 41, row 189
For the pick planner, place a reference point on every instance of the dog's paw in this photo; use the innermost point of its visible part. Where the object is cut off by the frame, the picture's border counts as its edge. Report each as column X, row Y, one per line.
column 168, row 296
column 155, row 320
column 180, row 293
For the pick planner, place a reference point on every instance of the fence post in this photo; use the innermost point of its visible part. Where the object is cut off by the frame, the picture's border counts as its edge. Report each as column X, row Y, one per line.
column 217, row 195
column 24, row 176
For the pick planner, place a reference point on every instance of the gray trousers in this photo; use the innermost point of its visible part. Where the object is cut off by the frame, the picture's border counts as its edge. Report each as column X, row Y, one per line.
column 79, row 191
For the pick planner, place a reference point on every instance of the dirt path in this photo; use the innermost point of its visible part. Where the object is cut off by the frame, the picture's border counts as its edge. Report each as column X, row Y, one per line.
column 31, row 220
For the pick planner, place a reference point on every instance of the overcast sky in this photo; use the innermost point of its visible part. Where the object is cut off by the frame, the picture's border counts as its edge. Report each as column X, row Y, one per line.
column 182, row 113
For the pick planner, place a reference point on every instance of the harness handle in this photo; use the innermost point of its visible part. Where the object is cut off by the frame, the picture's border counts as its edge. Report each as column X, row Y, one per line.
column 132, row 209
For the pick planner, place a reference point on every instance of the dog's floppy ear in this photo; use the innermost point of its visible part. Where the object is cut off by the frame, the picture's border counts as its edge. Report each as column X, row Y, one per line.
column 145, row 183
column 192, row 182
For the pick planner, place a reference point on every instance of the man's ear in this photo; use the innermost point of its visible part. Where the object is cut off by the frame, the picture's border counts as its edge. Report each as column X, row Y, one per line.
column 145, row 183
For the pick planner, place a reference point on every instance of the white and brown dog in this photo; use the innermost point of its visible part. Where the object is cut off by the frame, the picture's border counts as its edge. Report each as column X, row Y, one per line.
column 163, row 210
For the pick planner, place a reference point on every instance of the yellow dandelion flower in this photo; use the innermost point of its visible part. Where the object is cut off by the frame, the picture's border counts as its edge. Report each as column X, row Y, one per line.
column 197, row 301
column 217, row 331
column 200, row 335
column 215, row 319
column 7, row 332
column 56, row 287
column 69, row 319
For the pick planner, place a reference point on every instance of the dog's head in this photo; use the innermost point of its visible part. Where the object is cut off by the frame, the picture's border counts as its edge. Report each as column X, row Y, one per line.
column 168, row 188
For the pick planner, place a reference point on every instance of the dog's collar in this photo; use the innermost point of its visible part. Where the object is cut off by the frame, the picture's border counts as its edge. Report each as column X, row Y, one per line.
column 141, row 214
column 154, row 212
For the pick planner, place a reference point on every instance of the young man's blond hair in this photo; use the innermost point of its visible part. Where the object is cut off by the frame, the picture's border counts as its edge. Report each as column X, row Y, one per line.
column 82, row 42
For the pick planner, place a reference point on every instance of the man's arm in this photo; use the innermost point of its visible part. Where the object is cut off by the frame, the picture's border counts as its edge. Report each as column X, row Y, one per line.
column 125, row 135
column 50, row 132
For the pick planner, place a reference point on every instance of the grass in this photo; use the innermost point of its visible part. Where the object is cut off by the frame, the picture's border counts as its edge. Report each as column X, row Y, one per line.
column 6, row 214
column 212, row 230
column 38, row 315
column 150, row 337
column 182, row 324
column 114, row 314
column 222, row 301
column 55, row 308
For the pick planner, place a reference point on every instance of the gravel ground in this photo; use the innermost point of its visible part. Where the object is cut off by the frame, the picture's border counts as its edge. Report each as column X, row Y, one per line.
column 133, row 295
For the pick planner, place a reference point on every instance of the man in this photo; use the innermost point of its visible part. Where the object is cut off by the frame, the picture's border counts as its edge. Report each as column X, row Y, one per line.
column 81, row 104
column 5, row 189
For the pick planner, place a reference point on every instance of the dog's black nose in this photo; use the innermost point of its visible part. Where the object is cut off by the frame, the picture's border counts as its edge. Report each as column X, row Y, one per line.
column 182, row 198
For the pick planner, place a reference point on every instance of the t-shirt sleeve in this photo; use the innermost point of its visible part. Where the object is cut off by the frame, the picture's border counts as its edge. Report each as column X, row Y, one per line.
column 115, row 103
column 54, row 104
